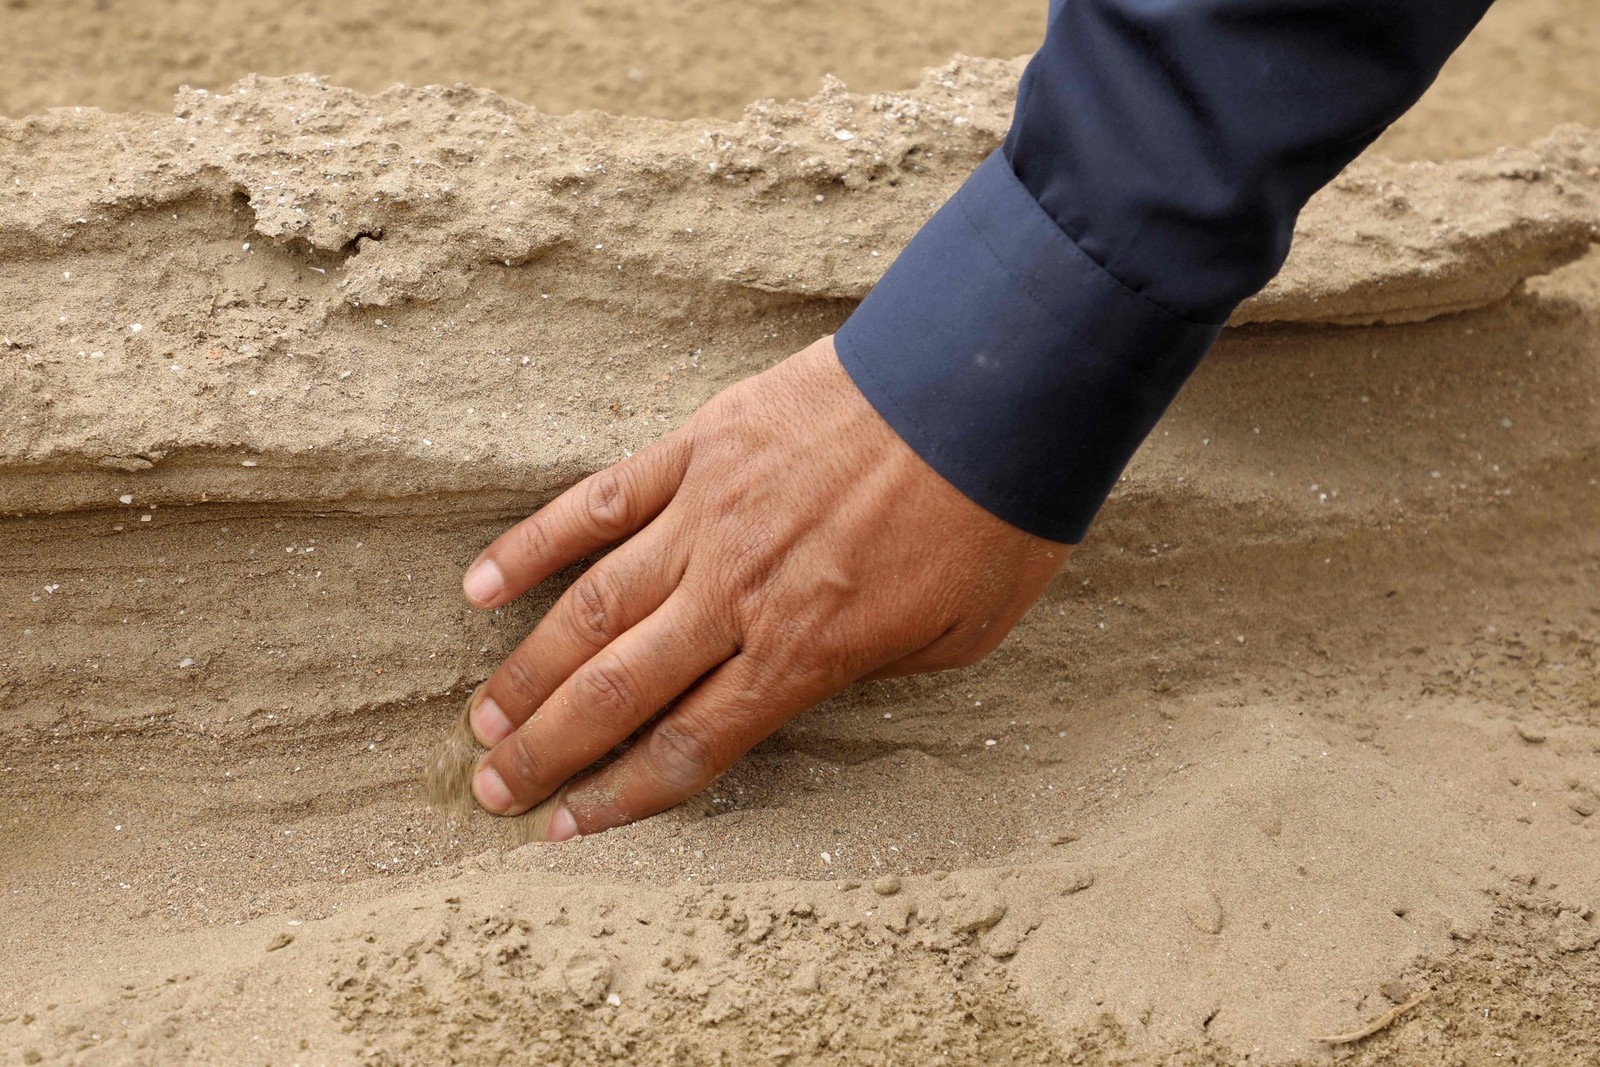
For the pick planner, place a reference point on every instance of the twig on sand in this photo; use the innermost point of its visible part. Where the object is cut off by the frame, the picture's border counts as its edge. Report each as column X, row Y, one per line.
column 1382, row 1021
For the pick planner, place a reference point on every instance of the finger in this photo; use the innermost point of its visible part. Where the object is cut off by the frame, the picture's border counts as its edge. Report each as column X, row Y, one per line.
column 718, row 722
column 606, row 601
column 604, row 702
column 601, row 510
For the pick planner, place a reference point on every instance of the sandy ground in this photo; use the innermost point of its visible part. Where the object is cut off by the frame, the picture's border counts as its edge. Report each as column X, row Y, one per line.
column 1309, row 729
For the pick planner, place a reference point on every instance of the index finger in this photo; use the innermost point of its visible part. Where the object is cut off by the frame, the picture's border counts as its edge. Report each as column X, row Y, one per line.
column 601, row 510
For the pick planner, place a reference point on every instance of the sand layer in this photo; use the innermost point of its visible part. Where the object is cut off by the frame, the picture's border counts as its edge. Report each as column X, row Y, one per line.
column 1529, row 66
column 1310, row 727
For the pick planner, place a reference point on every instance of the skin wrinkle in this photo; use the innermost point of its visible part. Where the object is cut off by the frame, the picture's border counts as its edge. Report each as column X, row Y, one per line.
column 525, row 681
column 792, row 567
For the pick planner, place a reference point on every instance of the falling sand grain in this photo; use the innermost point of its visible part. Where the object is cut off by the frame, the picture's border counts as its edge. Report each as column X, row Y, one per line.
column 449, row 782
column 450, row 769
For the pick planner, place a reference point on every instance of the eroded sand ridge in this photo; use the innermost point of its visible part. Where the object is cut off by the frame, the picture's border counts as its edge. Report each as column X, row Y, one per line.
column 1309, row 727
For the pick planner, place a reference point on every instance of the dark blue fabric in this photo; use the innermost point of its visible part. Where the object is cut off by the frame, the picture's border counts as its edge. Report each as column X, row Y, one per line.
column 1032, row 333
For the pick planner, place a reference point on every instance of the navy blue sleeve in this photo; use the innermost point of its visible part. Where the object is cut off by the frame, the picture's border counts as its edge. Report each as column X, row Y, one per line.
column 1028, row 338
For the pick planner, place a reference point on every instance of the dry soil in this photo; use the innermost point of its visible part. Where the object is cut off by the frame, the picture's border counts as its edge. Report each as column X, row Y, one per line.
column 1308, row 729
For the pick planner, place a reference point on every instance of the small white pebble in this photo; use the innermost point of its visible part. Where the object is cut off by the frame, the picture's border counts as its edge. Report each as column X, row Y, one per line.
column 827, row 857
column 126, row 498
column 990, row 743
column 145, row 518
column 186, row 661
column 844, row 135
column 614, row 1000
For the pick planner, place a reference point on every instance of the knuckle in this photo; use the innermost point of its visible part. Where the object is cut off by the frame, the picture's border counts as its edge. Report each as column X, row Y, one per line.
column 532, row 539
column 605, row 502
column 606, row 694
column 683, row 755
column 520, row 677
column 522, row 765
column 753, row 558
column 594, row 609
column 802, row 652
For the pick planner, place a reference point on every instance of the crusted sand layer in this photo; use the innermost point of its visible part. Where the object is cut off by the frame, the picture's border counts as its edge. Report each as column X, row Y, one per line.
column 1529, row 65
column 275, row 245
column 1309, row 728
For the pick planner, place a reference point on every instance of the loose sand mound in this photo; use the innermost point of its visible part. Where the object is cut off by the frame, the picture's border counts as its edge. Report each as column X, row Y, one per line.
column 1310, row 727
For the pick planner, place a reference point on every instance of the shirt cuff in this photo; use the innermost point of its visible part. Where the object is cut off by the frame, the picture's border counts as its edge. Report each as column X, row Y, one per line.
column 1014, row 364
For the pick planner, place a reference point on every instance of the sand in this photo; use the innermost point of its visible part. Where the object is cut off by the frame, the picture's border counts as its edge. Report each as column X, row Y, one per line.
column 1309, row 729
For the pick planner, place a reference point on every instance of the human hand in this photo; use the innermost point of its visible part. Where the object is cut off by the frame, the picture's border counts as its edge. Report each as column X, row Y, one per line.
column 781, row 544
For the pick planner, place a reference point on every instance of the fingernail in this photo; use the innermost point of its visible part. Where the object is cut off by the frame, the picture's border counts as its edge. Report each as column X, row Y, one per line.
column 484, row 583
column 491, row 791
column 563, row 827
column 489, row 723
